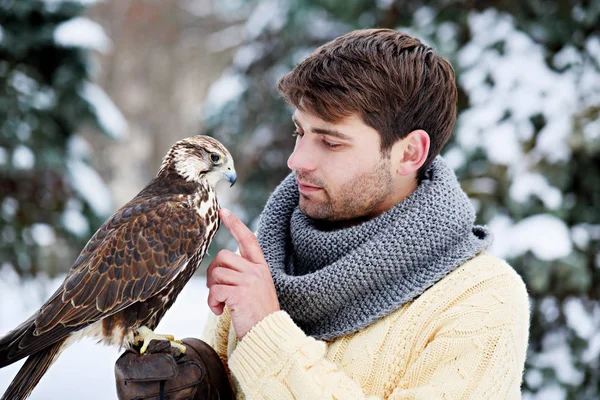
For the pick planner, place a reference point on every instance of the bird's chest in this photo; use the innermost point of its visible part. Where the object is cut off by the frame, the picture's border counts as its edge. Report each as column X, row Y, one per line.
column 151, row 311
column 207, row 207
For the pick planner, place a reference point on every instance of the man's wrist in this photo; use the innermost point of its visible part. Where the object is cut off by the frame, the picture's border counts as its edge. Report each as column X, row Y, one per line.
column 269, row 343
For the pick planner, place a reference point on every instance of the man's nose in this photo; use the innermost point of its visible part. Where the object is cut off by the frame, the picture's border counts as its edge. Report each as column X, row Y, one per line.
column 303, row 158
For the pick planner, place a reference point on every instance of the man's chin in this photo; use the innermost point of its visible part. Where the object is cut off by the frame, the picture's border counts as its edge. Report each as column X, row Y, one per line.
column 314, row 211
column 308, row 208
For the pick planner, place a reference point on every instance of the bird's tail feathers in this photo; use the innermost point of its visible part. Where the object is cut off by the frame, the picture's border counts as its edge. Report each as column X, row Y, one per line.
column 32, row 371
column 8, row 341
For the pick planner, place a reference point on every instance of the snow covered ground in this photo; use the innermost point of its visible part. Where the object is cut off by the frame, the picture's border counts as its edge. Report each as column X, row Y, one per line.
column 85, row 370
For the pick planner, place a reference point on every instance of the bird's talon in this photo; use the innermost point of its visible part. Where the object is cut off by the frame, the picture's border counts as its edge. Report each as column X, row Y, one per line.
column 146, row 335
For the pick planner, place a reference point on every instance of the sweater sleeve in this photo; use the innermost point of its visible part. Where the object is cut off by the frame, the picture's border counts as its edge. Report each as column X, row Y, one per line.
column 472, row 354
column 217, row 335
column 276, row 360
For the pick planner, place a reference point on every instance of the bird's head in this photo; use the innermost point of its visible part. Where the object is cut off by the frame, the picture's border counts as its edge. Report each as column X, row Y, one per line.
column 201, row 159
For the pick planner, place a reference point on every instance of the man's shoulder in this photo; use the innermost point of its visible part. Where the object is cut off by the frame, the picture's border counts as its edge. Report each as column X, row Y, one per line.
column 483, row 293
column 485, row 275
column 485, row 266
column 484, row 279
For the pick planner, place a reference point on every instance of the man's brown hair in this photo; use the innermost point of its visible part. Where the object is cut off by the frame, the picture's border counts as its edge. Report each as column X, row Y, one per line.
column 391, row 80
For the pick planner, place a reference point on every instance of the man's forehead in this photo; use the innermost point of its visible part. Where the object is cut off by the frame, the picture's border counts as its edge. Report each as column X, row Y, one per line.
column 304, row 118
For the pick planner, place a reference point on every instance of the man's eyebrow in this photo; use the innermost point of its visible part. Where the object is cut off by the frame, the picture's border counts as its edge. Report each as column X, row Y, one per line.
column 323, row 131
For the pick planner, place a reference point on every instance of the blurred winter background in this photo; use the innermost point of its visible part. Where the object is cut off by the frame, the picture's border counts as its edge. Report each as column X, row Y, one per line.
column 93, row 93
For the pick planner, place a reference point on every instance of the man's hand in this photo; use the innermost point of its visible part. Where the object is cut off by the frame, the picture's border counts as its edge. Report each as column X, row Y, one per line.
column 243, row 283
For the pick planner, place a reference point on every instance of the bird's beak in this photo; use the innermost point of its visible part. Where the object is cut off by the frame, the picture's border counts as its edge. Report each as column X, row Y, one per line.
column 231, row 177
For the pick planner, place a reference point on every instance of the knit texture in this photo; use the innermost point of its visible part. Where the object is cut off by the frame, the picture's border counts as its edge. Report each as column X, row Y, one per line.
column 335, row 282
column 464, row 338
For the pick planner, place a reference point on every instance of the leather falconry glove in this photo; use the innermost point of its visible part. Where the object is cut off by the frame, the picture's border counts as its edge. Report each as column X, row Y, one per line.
column 162, row 374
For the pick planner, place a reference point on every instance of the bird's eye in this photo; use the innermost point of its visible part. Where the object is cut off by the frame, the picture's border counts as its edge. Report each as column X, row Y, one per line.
column 215, row 158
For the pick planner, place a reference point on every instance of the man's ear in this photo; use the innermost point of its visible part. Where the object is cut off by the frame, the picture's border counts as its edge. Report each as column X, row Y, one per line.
column 411, row 152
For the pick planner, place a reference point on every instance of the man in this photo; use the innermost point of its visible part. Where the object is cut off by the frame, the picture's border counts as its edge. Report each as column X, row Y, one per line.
column 367, row 277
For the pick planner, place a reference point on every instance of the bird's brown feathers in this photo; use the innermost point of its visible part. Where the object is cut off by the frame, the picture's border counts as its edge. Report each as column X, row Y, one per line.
column 128, row 260
column 132, row 269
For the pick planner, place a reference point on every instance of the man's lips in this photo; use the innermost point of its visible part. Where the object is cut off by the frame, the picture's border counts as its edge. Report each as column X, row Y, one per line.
column 304, row 188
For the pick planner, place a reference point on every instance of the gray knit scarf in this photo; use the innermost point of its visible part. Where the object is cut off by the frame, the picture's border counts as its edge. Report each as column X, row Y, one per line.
column 335, row 282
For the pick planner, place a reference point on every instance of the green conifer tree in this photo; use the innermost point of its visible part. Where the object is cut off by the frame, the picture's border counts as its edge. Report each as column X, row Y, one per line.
column 45, row 97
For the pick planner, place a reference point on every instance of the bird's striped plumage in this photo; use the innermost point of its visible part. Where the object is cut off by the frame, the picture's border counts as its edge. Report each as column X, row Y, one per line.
column 132, row 269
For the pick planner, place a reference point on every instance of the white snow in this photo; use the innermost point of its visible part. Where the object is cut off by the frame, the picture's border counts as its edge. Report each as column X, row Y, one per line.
column 384, row 4
column 592, row 46
column 580, row 236
column 78, row 147
column 546, row 236
column 455, row 157
column 591, row 130
column 579, row 319
column 549, row 308
column 23, row 131
column 324, row 28
column 424, row 22
column 109, row 116
column 534, row 184
column 507, row 89
column 446, row 37
column 592, row 352
column 501, row 144
column 583, row 233
column 268, row 15
column 44, row 99
column 300, row 54
column 88, row 184
column 23, row 83
column 10, row 205
column 552, row 142
column 552, row 391
column 82, row 32
column 43, row 234
column 225, row 89
column 534, row 378
column 52, row 3
column 34, row 94
column 75, row 222
column 225, row 10
column 247, row 54
column 23, row 157
column 89, row 365
column 8, row 234
column 260, row 139
column 484, row 185
column 567, row 56
column 558, row 356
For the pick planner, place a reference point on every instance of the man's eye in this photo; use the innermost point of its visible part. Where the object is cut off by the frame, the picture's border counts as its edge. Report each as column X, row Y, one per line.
column 331, row 145
column 297, row 133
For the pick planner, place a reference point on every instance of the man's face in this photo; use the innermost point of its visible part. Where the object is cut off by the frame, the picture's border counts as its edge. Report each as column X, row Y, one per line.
column 341, row 172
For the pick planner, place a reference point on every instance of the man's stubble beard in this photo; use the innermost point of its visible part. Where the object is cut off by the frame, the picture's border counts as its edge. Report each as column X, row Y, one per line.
column 357, row 199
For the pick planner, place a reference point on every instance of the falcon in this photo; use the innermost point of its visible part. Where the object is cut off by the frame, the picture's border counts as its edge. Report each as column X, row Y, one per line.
column 132, row 269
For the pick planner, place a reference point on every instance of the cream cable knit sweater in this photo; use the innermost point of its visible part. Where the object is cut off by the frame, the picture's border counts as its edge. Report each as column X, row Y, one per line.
column 464, row 338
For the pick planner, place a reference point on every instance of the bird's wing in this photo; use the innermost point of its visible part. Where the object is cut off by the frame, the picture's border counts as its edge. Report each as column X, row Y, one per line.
column 133, row 256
